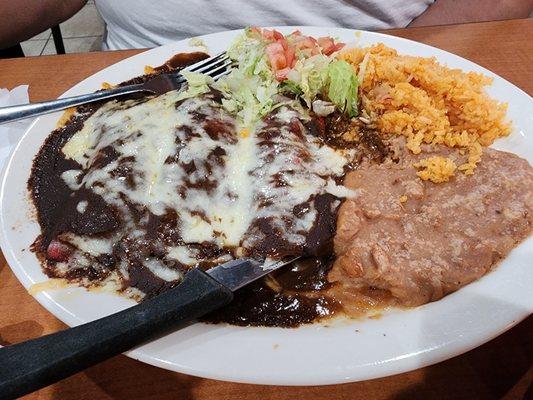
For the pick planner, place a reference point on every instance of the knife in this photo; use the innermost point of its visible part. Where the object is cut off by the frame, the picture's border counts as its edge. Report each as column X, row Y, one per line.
column 31, row 365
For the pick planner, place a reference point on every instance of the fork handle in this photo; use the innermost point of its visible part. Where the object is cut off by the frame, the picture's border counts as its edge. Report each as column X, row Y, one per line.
column 15, row 113
column 31, row 365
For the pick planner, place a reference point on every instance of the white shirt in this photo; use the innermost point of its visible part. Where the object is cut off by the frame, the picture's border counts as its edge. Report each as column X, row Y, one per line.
column 148, row 23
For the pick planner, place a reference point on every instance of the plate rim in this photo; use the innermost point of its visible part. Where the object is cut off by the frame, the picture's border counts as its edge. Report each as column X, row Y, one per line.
column 139, row 354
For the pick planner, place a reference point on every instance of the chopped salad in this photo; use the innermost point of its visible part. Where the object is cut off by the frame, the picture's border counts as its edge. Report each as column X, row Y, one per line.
column 275, row 69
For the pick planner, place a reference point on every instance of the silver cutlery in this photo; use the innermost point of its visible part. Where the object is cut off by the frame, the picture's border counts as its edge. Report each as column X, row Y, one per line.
column 31, row 365
column 215, row 67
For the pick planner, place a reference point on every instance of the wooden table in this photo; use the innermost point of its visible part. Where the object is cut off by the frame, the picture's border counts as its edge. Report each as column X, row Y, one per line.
column 501, row 368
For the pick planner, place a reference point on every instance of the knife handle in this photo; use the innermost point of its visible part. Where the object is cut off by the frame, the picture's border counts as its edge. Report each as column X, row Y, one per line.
column 31, row 365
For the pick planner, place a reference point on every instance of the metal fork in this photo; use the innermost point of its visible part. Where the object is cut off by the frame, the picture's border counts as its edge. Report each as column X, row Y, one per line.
column 215, row 67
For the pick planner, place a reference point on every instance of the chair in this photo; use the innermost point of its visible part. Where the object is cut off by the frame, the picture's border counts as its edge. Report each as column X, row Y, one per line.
column 58, row 40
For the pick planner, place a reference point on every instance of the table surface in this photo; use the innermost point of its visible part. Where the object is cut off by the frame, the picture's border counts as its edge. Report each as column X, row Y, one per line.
column 501, row 368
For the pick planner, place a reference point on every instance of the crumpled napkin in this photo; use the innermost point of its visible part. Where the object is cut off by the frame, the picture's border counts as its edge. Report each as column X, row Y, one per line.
column 11, row 133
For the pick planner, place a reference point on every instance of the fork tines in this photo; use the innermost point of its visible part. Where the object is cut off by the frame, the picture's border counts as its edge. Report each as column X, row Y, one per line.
column 215, row 66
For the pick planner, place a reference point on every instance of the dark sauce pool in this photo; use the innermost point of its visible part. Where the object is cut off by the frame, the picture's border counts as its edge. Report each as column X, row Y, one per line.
column 289, row 297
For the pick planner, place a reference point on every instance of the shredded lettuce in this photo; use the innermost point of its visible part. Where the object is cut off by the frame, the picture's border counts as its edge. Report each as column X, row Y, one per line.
column 249, row 51
column 311, row 76
column 320, row 75
column 342, row 87
column 248, row 89
column 249, row 97
column 292, row 87
column 196, row 84
column 251, row 91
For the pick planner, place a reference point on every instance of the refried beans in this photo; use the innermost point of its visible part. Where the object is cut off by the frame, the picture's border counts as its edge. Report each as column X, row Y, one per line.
column 419, row 240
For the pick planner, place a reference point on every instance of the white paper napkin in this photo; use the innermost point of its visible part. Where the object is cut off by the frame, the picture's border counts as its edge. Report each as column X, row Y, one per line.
column 11, row 133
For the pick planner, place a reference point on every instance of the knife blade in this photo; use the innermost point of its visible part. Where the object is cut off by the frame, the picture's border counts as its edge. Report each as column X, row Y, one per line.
column 237, row 273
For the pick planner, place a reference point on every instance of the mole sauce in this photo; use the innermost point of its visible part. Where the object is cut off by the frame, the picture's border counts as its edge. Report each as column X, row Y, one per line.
column 291, row 296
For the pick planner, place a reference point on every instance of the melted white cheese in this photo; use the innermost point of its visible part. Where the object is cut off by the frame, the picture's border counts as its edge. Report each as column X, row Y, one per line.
column 70, row 177
column 154, row 139
column 82, row 206
column 160, row 270
column 182, row 254
column 92, row 245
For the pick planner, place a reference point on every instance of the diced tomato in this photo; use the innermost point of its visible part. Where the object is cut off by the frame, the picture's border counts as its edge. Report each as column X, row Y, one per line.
column 328, row 50
column 58, row 251
column 278, row 35
column 276, row 56
column 281, row 57
column 304, row 42
column 327, row 44
column 268, row 34
column 283, row 43
column 281, row 51
column 339, row 46
column 290, row 56
column 281, row 74
column 272, row 35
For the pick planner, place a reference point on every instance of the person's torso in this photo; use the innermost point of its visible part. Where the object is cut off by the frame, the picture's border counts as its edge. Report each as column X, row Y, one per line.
column 144, row 23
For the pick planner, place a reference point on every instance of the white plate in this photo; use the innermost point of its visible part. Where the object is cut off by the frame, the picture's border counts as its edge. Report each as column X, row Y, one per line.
column 310, row 355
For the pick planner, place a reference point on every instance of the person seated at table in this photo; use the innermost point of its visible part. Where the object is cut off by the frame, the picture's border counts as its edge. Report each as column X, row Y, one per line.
column 145, row 23
column 23, row 19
